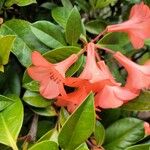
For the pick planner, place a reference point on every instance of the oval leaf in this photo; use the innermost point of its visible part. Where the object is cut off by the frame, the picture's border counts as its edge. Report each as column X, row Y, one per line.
column 139, row 147
column 123, row 133
column 10, row 122
column 141, row 103
column 81, row 122
column 45, row 145
column 73, row 27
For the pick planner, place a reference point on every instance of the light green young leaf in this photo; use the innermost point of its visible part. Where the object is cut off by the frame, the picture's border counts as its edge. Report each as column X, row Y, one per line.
column 127, row 132
column 11, row 120
column 81, row 122
column 9, row 3
column 4, row 102
column 73, row 27
column 45, row 145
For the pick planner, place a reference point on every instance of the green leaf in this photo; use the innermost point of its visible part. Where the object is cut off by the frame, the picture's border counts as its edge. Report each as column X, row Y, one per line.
column 140, row 103
column 64, row 115
column 99, row 133
column 123, row 133
column 30, row 84
column 35, row 99
column 67, row 4
column 81, row 122
column 139, row 147
column 45, row 145
column 9, row 3
column 103, row 3
column 4, row 102
column 48, row 33
column 95, row 26
column 73, row 27
column 82, row 147
column 6, row 43
column 48, row 111
column 115, row 41
column 51, row 135
column 25, row 41
column 60, row 15
column 58, row 54
column 75, row 67
column 11, row 120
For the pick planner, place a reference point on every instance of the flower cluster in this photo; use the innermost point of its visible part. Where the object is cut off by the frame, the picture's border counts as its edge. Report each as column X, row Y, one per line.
column 96, row 76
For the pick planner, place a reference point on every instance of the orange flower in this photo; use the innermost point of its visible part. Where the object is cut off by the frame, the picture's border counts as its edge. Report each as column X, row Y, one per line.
column 95, row 74
column 147, row 128
column 50, row 76
column 138, row 75
column 72, row 100
column 137, row 26
column 113, row 96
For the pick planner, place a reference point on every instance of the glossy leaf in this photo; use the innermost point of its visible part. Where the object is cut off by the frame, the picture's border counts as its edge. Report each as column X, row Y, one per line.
column 64, row 115
column 73, row 27
column 11, row 120
column 81, row 122
column 25, row 41
column 60, row 15
column 140, row 103
column 99, row 133
column 35, row 99
column 6, row 43
column 139, row 147
column 8, row 3
column 82, row 147
column 127, row 132
column 51, row 135
column 48, row 111
column 4, row 102
column 48, row 33
column 58, row 54
column 46, row 145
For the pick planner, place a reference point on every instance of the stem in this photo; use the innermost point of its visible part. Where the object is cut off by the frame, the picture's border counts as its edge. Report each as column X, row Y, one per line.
column 106, row 49
column 81, row 51
column 98, row 37
column 33, row 128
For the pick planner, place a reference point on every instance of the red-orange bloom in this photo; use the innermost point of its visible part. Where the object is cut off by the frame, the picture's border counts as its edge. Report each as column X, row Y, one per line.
column 137, row 26
column 147, row 128
column 95, row 74
column 138, row 75
column 113, row 96
column 50, row 76
column 72, row 100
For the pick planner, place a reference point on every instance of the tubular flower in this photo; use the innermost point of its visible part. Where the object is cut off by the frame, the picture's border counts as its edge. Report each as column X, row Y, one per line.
column 50, row 76
column 138, row 75
column 94, row 76
column 147, row 128
column 137, row 26
column 72, row 100
column 113, row 97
